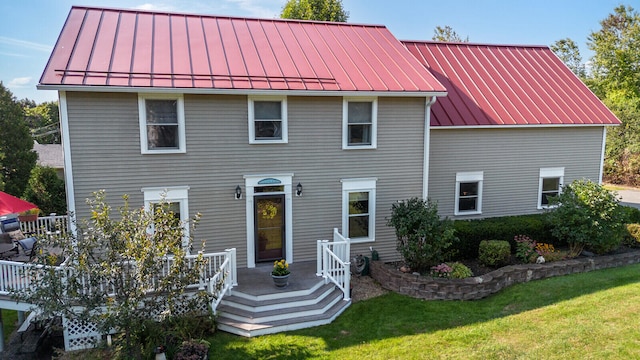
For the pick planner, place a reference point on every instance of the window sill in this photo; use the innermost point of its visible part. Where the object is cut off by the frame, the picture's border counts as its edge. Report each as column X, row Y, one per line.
column 264, row 142
column 361, row 240
column 547, row 207
column 360, row 147
column 465, row 213
column 168, row 151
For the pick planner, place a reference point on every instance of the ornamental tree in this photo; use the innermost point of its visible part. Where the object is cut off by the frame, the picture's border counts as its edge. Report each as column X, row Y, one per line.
column 120, row 272
column 423, row 238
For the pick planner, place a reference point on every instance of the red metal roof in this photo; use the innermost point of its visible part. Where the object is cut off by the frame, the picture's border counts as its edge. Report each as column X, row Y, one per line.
column 507, row 85
column 130, row 48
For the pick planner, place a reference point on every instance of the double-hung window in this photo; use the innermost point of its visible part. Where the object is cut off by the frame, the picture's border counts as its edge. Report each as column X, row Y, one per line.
column 161, row 124
column 469, row 193
column 359, row 123
column 268, row 120
column 359, row 209
column 177, row 201
column 549, row 185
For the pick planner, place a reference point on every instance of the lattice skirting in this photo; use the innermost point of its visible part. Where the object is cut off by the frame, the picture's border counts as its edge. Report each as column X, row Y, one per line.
column 79, row 335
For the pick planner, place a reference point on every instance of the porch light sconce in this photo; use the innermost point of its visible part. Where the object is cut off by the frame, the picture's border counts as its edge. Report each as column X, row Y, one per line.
column 299, row 189
column 238, row 192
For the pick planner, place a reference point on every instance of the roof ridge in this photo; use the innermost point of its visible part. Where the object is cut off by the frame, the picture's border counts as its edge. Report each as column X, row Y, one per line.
column 232, row 17
column 434, row 42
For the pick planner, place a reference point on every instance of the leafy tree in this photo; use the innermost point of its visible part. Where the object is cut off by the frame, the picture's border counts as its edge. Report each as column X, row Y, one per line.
column 615, row 78
column 567, row 50
column 447, row 34
column 16, row 155
column 616, row 63
column 44, row 121
column 119, row 273
column 587, row 215
column 423, row 239
column 46, row 190
column 321, row 10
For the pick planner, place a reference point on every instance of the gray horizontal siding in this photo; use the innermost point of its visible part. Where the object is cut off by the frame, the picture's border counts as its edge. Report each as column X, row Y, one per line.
column 511, row 160
column 105, row 150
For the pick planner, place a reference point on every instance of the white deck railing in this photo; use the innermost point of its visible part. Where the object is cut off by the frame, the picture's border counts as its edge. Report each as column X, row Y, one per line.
column 46, row 225
column 333, row 262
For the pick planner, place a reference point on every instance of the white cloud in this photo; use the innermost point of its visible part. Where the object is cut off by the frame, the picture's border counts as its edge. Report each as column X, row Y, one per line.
column 13, row 54
column 155, row 7
column 20, row 82
column 25, row 44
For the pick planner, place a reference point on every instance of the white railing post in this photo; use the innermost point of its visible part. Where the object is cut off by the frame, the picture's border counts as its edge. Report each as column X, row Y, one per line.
column 233, row 268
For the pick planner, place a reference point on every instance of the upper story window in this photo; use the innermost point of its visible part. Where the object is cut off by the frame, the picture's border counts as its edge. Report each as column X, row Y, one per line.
column 359, row 123
column 268, row 120
column 359, row 209
column 549, row 185
column 469, row 193
column 161, row 124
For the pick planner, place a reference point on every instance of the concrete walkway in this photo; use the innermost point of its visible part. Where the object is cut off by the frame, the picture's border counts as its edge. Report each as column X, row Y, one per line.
column 629, row 197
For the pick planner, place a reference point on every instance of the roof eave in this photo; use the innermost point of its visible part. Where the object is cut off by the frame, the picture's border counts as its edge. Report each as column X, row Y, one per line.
column 210, row 91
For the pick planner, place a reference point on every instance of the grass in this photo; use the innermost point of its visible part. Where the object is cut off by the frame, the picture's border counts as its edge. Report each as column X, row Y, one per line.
column 9, row 322
column 585, row 316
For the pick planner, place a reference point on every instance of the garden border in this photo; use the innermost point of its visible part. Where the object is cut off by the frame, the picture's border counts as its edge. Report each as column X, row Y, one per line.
column 478, row 287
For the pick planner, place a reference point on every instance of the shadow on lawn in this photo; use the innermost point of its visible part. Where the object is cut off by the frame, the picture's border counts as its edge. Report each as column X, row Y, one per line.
column 394, row 315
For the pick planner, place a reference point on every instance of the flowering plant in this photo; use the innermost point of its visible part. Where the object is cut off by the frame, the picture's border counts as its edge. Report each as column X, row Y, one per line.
column 525, row 248
column 280, row 268
column 442, row 271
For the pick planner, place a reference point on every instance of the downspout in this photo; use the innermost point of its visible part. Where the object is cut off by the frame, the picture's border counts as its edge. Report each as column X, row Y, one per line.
column 426, row 146
column 68, row 171
column 604, row 144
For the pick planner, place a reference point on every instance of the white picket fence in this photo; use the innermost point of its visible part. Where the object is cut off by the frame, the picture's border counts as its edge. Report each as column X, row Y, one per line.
column 333, row 262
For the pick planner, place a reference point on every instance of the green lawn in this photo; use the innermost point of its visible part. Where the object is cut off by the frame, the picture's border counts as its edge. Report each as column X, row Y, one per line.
column 594, row 315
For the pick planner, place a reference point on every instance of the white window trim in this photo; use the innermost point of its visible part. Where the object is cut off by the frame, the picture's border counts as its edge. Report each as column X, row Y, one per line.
column 359, row 185
column 546, row 173
column 142, row 115
column 178, row 194
column 345, row 122
column 252, row 128
column 462, row 177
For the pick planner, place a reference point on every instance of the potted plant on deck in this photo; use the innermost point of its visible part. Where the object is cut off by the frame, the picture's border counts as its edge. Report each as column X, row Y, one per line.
column 280, row 273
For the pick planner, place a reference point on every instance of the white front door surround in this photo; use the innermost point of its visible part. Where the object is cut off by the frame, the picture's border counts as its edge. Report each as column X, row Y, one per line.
column 251, row 182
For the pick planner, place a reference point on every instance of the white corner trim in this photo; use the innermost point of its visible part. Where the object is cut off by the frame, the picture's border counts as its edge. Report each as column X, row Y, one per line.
column 604, row 144
column 68, row 165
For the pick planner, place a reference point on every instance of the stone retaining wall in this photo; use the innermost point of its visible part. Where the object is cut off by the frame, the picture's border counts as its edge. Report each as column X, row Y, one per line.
column 424, row 287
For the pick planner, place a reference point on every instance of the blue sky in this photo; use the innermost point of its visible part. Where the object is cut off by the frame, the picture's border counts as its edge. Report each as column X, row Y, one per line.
column 30, row 28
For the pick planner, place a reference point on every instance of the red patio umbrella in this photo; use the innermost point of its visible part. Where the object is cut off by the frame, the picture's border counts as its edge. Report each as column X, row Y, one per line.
column 10, row 204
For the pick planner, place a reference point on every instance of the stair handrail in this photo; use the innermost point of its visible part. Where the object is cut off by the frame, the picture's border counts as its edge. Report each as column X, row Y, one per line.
column 226, row 278
column 333, row 262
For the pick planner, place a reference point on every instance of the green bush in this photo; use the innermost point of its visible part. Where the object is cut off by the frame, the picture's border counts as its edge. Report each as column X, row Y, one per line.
column 631, row 215
column 424, row 240
column 471, row 232
column 494, row 253
column 46, row 190
column 632, row 238
column 589, row 216
column 459, row 271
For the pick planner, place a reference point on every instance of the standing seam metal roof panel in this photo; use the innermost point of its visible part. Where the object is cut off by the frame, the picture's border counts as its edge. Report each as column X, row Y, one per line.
column 494, row 85
column 140, row 49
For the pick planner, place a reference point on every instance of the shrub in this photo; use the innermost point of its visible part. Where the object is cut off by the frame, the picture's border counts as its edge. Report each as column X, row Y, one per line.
column 424, row 240
column 631, row 215
column 460, row 271
column 471, row 232
column 494, row 252
column 525, row 249
column 632, row 238
column 46, row 190
column 589, row 216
